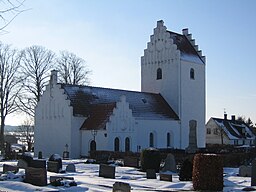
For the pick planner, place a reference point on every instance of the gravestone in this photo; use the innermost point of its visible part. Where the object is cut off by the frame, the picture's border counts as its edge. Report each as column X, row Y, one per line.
column 192, row 147
column 36, row 176
column 38, row 163
column 165, row 177
column 59, row 178
column 121, row 187
column 22, row 164
column 71, row 168
column 40, row 155
column 253, row 177
column 54, row 163
column 131, row 161
column 107, row 171
column 169, row 164
column 151, row 174
column 11, row 168
column 245, row 171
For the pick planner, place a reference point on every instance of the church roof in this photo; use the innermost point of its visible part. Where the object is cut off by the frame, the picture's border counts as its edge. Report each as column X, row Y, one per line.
column 188, row 52
column 235, row 129
column 98, row 104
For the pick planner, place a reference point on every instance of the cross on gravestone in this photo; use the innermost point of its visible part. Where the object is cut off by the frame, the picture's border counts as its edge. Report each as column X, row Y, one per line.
column 253, row 177
column 121, row 187
column 192, row 147
column 169, row 164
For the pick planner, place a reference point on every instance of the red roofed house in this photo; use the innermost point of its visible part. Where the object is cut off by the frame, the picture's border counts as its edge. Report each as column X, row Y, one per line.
column 172, row 95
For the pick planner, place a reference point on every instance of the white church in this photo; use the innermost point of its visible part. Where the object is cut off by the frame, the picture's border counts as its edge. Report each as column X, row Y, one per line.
column 85, row 118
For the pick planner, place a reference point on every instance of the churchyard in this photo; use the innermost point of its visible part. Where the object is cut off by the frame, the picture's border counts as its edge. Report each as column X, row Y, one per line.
column 58, row 174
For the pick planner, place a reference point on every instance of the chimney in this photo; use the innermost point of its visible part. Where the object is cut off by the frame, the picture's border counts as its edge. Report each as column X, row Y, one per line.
column 225, row 116
column 53, row 78
column 233, row 117
column 185, row 31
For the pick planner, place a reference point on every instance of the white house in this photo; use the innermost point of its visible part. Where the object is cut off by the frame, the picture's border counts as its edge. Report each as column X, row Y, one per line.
column 229, row 132
column 172, row 95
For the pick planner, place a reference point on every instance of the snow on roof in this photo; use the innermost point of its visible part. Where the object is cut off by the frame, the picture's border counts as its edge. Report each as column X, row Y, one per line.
column 84, row 99
column 235, row 129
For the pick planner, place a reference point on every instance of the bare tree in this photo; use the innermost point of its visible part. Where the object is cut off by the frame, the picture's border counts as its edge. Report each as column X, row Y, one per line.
column 72, row 69
column 36, row 64
column 9, row 84
column 26, row 131
column 9, row 11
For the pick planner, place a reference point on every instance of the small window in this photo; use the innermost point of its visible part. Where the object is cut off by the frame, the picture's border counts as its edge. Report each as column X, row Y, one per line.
column 192, row 73
column 208, row 131
column 168, row 139
column 151, row 140
column 159, row 73
column 215, row 131
column 127, row 144
column 116, row 144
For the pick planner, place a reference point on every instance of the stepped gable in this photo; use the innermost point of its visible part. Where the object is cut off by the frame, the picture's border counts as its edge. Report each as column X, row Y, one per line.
column 89, row 101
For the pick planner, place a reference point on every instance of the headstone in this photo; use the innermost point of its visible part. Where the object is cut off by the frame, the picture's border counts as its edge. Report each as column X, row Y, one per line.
column 65, row 155
column 53, row 166
column 26, row 157
column 121, row 187
column 54, row 163
column 38, row 163
column 165, row 177
column 245, row 171
column 36, row 176
column 169, row 164
column 22, row 164
column 192, row 147
column 131, row 161
column 71, row 168
column 253, row 177
column 11, row 168
column 107, row 171
column 151, row 174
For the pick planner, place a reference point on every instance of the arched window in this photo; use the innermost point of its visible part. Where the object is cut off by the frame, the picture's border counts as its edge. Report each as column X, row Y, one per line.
column 93, row 145
column 127, row 144
column 117, row 144
column 168, row 140
column 192, row 73
column 151, row 140
column 159, row 73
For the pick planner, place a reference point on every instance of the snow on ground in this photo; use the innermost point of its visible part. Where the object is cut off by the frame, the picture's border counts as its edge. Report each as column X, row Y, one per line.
column 87, row 179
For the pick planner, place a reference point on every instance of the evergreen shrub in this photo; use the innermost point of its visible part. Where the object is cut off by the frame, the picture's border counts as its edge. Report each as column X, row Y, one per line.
column 207, row 172
column 150, row 159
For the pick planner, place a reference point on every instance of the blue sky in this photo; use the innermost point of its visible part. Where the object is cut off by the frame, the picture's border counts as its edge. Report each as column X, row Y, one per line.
column 111, row 36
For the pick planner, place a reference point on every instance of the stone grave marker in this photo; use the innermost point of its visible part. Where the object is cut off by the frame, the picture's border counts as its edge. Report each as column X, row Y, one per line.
column 38, row 163
column 131, row 161
column 40, row 155
column 58, row 178
column 121, row 187
column 54, row 163
column 245, row 171
column 36, row 176
column 71, row 167
column 253, row 174
column 169, row 164
column 11, row 168
column 165, row 177
column 151, row 174
column 192, row 147
column 107, row 171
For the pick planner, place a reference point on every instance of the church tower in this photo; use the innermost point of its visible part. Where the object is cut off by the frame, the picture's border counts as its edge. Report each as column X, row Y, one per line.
column 173, row 66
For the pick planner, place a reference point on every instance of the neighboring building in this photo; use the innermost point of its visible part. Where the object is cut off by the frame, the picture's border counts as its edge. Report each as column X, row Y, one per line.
column 85, row 118
column 229, row 132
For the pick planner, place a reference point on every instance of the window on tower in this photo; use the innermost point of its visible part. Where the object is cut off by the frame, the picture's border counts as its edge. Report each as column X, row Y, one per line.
column 159, row 73
column 192, row 73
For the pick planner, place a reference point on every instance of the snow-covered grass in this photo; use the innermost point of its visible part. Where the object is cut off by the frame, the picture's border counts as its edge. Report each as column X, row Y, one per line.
column 87, row 179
